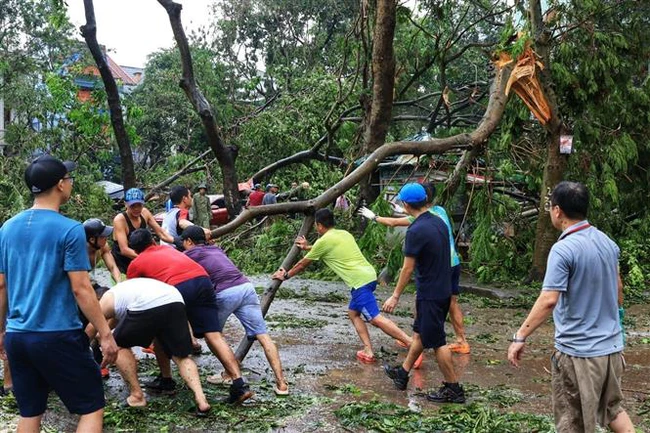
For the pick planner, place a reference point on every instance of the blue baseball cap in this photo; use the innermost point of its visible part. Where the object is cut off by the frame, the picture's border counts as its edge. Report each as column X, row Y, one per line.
column 133, row 196
column 412, row 193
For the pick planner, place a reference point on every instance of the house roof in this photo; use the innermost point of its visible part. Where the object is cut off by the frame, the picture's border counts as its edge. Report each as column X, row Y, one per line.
column 119, row 73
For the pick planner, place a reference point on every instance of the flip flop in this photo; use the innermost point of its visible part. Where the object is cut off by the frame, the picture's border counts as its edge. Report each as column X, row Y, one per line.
column 278, row 391
column 202, row 413
column 401, row 344
column 124, row 404
column 361, row 356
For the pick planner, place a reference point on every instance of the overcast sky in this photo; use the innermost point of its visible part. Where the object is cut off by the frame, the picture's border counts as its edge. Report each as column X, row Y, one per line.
column 132, row 29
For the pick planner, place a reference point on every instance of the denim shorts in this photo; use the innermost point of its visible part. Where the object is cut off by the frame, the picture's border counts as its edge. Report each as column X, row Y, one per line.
column 363, row 301
column 242, row 301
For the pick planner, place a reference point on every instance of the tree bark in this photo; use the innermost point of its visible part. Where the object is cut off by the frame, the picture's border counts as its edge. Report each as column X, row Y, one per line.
column 556, row 163
column 383, row 84
column 89, row 33
column 225, row 154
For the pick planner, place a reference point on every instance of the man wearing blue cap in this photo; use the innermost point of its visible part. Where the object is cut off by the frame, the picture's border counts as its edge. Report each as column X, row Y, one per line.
column 135, row 217
column 43, row 278
column 427, row 252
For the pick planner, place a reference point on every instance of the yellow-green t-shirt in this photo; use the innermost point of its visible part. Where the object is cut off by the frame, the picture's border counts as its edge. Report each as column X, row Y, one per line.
column 339, row 251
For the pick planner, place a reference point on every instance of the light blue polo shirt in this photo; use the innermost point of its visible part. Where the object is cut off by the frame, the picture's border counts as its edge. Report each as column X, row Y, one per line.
column 38, row 248
column 583, row 267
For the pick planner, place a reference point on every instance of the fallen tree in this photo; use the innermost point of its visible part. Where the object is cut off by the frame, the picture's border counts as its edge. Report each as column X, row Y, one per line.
column 475, row 139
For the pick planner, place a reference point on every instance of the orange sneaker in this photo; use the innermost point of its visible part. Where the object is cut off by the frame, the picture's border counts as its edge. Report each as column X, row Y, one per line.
column 418, row 362
column 148, row 349
column 462, row 348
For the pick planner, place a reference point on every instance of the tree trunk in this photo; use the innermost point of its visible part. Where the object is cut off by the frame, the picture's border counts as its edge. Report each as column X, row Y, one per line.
column 556, row 163
column 545, row 233
column 224, row 154
column 89, row 33
column 383, row 83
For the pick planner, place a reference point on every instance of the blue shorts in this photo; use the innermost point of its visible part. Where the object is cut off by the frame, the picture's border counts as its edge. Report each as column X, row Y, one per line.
column 429, row 322
column 363, row 301
column 242, row 301
column 200, row 305
column 60, row 361
column 455, row 280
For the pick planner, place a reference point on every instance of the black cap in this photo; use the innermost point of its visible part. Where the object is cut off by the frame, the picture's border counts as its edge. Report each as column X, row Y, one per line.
column 195, row 233
column 45, row 172
column 95, row 228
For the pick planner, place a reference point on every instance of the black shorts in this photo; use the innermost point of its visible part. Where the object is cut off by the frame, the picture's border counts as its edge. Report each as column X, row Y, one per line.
column 200, row 305
column 59, row 361
column 167, row 324
column 430, row 322
column 455, row 280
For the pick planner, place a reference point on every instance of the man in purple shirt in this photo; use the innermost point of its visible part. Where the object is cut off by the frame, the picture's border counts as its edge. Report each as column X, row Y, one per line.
column 235, row 295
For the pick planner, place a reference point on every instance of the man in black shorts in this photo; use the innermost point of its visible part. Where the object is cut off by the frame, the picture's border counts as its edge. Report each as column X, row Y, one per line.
column 148, row 309
column 426, row 250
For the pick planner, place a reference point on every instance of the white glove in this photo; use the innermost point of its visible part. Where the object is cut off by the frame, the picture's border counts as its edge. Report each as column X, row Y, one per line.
column 367, row 213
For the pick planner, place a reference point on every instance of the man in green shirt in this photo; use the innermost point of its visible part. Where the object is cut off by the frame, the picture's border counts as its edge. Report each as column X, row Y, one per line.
column 340, row 252
column 201, row 207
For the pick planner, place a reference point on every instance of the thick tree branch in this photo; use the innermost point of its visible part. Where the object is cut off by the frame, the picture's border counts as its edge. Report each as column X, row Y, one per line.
column 269, row 294
column 223, row 153
column 89, row 33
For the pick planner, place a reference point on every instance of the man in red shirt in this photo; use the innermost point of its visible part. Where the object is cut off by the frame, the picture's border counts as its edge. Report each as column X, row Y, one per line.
column 170, row 266
column 255, row 197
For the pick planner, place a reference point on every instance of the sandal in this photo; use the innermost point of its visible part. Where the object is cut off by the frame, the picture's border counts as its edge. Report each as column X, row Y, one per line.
column 279, row 391
column 202, row 413
column 361, row 356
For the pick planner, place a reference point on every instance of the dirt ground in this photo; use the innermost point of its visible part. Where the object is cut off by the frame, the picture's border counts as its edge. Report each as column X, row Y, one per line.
column 318, row 344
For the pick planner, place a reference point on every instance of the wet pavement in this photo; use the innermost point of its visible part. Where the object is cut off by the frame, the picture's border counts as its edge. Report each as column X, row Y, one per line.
column 317, row 345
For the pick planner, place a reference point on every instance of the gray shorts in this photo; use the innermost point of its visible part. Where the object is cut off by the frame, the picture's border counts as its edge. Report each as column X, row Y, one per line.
column 586, row 391
column 242, row 301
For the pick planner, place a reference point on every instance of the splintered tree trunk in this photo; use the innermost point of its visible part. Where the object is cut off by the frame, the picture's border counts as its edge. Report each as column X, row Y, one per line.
column 556, row 163
column 545, row 233
column 383, row 74
column 89, row 33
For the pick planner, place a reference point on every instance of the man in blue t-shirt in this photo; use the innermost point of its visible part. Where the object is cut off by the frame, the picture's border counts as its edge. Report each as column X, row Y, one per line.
column 427, row 252
column 43, row 279
column 583, row 289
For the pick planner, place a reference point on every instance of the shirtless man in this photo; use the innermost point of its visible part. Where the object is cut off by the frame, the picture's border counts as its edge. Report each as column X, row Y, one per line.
column 135, row 217
column 97, row 234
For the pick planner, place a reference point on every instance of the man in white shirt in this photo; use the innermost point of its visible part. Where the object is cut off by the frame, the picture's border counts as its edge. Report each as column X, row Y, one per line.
column 148, row 309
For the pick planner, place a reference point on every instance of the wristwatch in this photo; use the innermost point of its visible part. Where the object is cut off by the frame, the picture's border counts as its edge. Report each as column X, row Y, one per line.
column 516, row 339
column 286, row 275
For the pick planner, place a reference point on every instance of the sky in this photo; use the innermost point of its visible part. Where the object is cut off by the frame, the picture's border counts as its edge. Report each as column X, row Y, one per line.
column 132, row 29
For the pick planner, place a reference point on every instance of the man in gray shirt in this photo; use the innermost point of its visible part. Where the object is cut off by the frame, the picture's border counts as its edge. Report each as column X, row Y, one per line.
column 583, row 289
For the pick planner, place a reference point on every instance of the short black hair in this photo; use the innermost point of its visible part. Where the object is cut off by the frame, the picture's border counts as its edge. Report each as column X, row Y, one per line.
column 420, row 204
column 177, row 193
column 430, row 189
column 572, row 198
column 325, row 217
column 140, row 240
